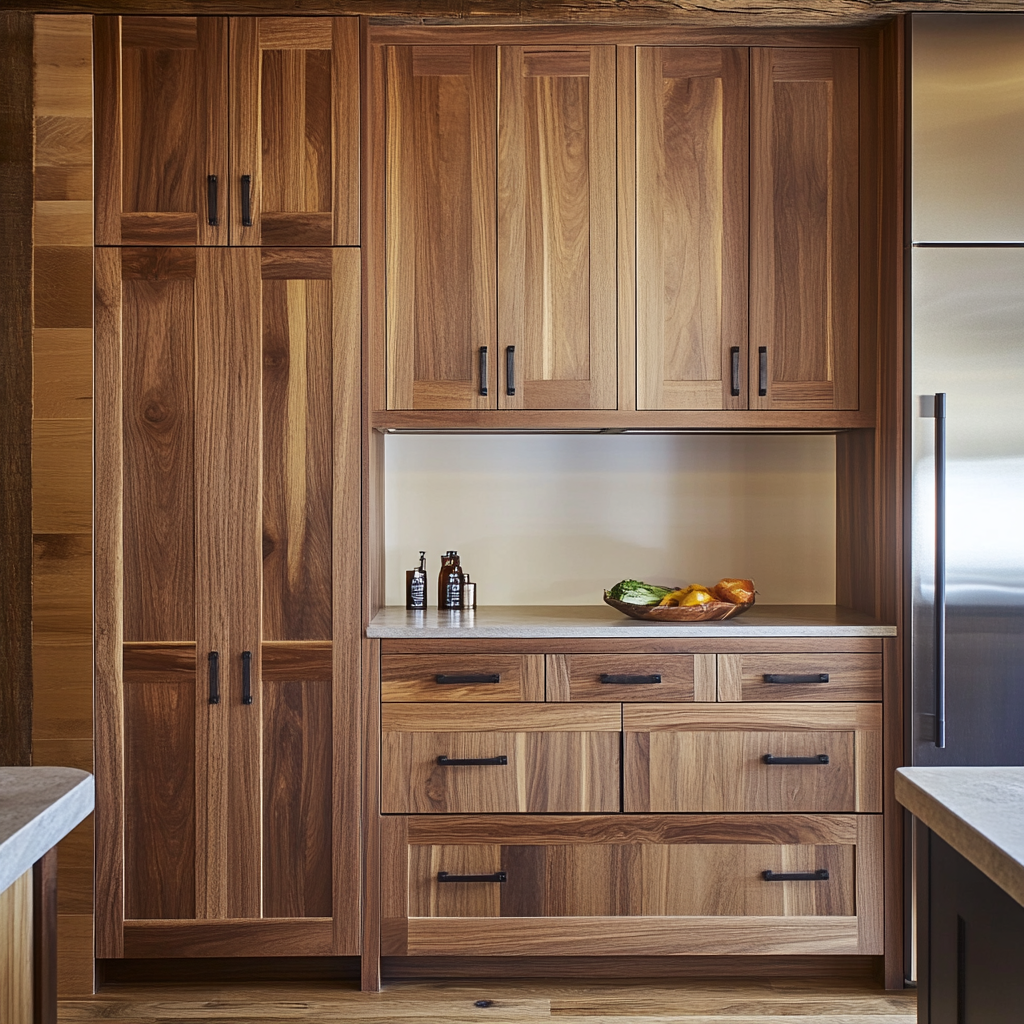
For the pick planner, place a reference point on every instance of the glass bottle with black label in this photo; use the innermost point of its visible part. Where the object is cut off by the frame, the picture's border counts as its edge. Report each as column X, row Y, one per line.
column 449, row 582
column 416, row 585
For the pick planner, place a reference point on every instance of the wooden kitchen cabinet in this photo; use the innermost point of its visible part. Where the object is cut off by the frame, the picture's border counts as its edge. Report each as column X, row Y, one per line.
column 217, row 131
column 226, row 368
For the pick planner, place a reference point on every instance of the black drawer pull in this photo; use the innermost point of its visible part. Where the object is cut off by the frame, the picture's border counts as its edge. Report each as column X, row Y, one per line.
column 483, row 370
column 498, row 876
column 246, row 677
column 762, row 371
column 813, row 759
column 611, row 678
column 445, row 759
column 821, row 875
column 214, row 677
column 510, row 370
column 810, row 677
column 211, row 200
column 734, row 357
column 246, row 200
column 468, row 677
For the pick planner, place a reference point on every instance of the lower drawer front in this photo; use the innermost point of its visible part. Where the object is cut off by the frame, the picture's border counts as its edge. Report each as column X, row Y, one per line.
column 656, row 884
column 799, row 677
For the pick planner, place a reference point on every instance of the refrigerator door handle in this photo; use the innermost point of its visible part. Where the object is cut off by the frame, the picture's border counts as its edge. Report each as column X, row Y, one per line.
column 940, row 569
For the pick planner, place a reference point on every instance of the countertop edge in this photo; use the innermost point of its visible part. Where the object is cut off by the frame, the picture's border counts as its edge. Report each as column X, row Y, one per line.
column 986, row 855
column 621, row 633
column 20, row 850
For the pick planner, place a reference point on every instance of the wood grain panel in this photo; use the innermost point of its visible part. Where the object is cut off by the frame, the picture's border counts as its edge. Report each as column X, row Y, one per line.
column 63, row 156
column 295, row 130
column 61, row 588
column 850, row 677
column 473, row 718
column 430, row 898
column 259, row 937
column 712, row 759
column 557, row 226
column 62, row 689
column 804, row 227
column 161, row 122
column 646, row 645
column 160, row 788
column 297, row 459
column 62, row 222
column 158, row 311
column 691, row 217
column 297, row 774
column 284, row 661
column 413, row 677
column 16, row 950
column 62, row 286
column 62, row 54
column 62, row 373
column 584, row 671
column 440, row 218
column 61, row 476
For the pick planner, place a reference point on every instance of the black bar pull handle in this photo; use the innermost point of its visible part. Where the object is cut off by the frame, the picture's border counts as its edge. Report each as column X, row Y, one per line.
column 762, row 371
column 246, row 200
column 609, row 677
column 483, row 370
column 246, row 677
column 469, row 677
column 211, row 200
column 821, row 875
column 510, row 370
column 813, row 759
column 940, row 569
column 809, row 677
column 498, row 876
column 214, row 662
column 445, row 759
column 734, row 373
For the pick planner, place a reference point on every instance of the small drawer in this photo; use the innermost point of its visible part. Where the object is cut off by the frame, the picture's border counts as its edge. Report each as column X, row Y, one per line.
column 752, row 757
column 799, row 677
column 650, row 884
column 473, row 759
column 462, row 677
column 631, row 677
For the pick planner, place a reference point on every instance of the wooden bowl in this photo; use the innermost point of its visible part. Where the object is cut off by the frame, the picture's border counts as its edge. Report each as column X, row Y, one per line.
column 714, row 611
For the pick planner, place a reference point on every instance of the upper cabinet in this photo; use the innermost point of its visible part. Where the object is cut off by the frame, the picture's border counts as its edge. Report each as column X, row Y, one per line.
column 500, row 213
column 217, row 131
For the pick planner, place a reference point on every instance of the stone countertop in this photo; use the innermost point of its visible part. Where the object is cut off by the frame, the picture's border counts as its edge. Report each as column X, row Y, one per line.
column 38, row 808
column 604, row 622
column 978, row 811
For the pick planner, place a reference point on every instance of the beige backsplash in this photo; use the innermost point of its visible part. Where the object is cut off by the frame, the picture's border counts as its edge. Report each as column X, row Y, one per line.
column 554, row 519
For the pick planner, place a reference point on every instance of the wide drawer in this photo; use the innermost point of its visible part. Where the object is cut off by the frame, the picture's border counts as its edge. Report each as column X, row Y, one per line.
column 799, row 677
column 752, row 757
column 631, row 677
column 712, row 884
column 497, row 758
column 462, row 677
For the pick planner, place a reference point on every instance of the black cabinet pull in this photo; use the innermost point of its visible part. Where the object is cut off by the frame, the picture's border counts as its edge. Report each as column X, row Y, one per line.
column 607, row 677
column 445, row 759
column 510, row 370
column 246, row 201
column 469, row 677
column 246, row 677
column 762, row 371
column 498, row 876
column 940, row 569
column 813, row 759
column 821, row 875
column 483, row 370
column 211, row 200
column 734, row 356
column 214, row 661
column 810, row 677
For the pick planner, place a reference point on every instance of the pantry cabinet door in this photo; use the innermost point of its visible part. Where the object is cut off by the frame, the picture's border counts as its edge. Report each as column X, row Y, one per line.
column 295, row 131
column 691, row 227
column 804, row 229
column 440, row 227
column 161, row 131
column 556, row 227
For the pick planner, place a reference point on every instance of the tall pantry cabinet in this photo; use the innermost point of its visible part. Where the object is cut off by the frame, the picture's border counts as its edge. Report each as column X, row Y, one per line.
column 228, row 414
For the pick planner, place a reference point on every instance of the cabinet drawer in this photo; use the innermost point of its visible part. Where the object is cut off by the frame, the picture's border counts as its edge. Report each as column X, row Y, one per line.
column 462, row 677
column 825, row 757
column 533, row 757
column 799, row 677
column 631, row 677
column 632, row 884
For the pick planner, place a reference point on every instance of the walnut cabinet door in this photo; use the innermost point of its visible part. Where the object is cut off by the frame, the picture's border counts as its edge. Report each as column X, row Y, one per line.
column 226, row 364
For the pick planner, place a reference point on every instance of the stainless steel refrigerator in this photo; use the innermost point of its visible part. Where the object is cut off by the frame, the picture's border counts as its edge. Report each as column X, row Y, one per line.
column 966, row 405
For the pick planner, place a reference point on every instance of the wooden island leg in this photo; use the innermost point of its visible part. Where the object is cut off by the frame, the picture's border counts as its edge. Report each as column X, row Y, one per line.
column 44, row 938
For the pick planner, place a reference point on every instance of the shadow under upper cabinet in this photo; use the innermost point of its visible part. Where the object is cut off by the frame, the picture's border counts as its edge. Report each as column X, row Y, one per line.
column 554, row 519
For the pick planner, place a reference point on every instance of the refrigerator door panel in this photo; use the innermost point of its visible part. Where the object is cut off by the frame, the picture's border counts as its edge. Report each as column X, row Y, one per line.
column 967, row 127
column 968, row 342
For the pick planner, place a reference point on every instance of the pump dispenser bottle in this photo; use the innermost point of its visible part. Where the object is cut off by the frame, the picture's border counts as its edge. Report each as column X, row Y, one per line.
column 449, row 582
column 416, row 585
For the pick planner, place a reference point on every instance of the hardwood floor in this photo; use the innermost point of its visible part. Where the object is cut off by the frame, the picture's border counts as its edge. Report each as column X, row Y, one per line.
column 722, row 1001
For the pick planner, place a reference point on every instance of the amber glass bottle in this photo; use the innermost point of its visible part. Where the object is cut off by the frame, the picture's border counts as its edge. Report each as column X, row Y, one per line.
column 449, row 582
column 416, row 585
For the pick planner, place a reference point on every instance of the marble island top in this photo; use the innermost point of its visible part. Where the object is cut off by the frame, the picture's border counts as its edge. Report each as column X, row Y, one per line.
column 603, row 622
column 978, row 811
column 38, row 808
